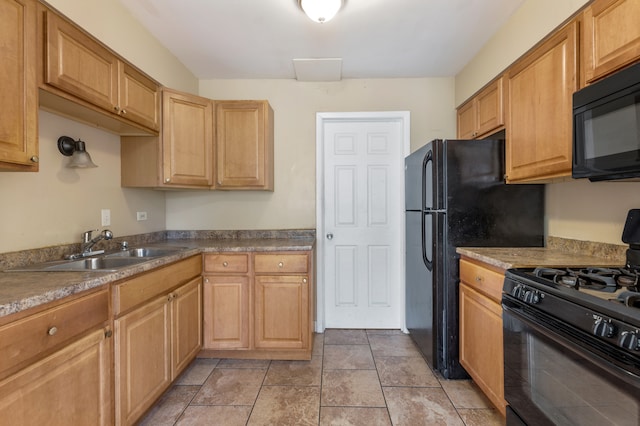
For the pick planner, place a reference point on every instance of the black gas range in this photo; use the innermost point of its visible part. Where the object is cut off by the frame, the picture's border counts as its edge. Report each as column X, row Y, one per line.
column 572, row 346
column 572, row 342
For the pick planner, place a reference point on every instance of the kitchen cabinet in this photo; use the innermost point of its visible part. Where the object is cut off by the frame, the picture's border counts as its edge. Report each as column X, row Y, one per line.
column 19, row 100
column 484, row 113
column 226, row 301
column 244, row 145
column 258, row 305
column 55, row 364
column 282, row 301
column 611, row 37
column 158, row 331
column 182, row 155
column 481, row 346
column 78, row 68
column 540, row 87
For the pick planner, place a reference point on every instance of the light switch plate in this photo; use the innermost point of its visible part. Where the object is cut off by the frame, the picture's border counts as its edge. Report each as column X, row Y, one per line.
column 106, row 217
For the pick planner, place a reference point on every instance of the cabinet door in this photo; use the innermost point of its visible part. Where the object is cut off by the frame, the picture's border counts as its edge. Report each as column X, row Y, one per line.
column 540, row 89
column 226, row 307
column 79, row 65
column 19, row 100
column 481, row 346
column 187, row 140
column 244, row 145
column 611, row 36
column 282, row 311
column 139, row 97
column 70, row 387
column 467, row 120
column 143, row 359
column 186, row 325
column 490, row 111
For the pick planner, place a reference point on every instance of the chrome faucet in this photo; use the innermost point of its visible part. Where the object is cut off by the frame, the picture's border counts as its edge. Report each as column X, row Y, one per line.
column 88, row 243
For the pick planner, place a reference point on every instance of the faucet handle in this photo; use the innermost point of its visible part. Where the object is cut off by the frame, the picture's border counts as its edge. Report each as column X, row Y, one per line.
column 86, row 236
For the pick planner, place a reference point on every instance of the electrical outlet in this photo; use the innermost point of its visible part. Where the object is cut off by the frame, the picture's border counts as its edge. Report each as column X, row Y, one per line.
column 141, row 215
column 106, row 217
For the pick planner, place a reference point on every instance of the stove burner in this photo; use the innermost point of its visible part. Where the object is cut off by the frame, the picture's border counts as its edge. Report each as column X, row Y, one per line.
column 607, row 280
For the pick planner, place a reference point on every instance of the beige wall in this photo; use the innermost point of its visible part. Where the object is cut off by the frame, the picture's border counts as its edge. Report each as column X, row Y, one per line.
column 295, row 105
column 111, row 23
column 57, row 204
column 578, row 209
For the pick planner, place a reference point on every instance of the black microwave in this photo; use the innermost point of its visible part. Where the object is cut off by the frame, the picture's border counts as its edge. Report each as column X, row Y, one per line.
column 606, row 128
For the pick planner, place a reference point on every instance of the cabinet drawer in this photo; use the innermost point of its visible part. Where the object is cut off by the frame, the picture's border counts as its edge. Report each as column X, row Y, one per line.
column 281, row 263
column 482, row 279
column 25, row 339
column 227, row 263
column 135, row 291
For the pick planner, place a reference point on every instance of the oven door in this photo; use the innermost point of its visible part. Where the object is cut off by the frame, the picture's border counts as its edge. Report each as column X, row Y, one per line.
column 553, row 376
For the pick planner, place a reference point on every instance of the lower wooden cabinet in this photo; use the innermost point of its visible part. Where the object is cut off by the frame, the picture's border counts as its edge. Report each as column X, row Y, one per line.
column 481, row 346
column 258, row 305
column 158, row 337
column 56, row 365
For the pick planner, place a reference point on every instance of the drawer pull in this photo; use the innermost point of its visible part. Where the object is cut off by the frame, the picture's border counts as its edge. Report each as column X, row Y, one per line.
column 281, row 265
column 225, row 264
column 478, row 278
column 108, row 333
column 52, row 331
column 304, row 280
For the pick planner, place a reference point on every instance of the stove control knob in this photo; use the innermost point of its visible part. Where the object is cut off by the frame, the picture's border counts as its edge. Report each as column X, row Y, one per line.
column 532, row 297
column 518, row 291
column 629, row 340
column 604, row 328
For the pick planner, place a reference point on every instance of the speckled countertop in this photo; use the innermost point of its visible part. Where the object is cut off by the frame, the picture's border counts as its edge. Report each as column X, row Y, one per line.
column 24, row 290
column 558, row 252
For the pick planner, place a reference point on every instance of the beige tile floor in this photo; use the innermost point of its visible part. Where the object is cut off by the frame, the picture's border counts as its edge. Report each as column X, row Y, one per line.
column 355, row 377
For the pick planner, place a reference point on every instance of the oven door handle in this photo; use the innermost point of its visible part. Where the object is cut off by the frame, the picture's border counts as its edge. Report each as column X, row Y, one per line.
column 580, row 349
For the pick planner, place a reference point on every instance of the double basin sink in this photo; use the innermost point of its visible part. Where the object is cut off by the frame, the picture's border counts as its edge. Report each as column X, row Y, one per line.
column 108, row 262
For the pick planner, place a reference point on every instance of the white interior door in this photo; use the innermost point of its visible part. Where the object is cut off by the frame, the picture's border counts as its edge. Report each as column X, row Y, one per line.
column 362, row 224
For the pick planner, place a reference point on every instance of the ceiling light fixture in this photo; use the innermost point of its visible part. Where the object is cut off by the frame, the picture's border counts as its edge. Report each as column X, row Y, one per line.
column 321, row 10
column 80, row 158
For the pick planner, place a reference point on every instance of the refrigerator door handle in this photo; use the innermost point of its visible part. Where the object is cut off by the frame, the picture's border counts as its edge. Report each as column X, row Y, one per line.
column 427, row 159
column 428, row 263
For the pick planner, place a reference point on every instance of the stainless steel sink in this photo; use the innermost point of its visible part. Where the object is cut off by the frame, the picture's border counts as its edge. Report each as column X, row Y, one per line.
column 105, row 263
column 144, row 252
column 96, row 264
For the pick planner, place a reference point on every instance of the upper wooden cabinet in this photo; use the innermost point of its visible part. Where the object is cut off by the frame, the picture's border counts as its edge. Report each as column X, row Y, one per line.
column 244, row 145
column 187, row 139
column 540, row 87
column 484, row 113
column 77, row 67
column 19, row 100
column 611, row 36
column 182, row 156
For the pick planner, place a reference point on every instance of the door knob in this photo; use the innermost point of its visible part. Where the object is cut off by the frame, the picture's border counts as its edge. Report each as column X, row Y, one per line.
column 329, row 236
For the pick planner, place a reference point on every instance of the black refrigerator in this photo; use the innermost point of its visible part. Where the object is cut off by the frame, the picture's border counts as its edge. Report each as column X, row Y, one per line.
column 456, row 197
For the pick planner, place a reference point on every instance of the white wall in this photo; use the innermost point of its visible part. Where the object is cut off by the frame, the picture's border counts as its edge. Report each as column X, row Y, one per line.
column 579, row 209
column 295, row 105
column 57, row 204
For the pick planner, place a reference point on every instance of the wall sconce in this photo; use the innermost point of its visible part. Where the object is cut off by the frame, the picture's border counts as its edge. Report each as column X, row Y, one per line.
column 321, row 10
column 80, row 158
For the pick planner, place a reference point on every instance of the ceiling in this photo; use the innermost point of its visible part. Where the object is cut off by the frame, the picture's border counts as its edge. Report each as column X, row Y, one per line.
column 258, row 39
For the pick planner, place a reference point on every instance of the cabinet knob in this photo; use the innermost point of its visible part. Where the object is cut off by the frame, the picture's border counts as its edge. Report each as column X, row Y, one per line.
column 108, row 333
column 280, row 264
column 116, row 108
column 123, row 112
column 169, row 297
column 167, row 180
column 225, row 264
column 304, row 280
column 478, row 278
column 206, row 280
column 34, row 159
column 52, row 331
